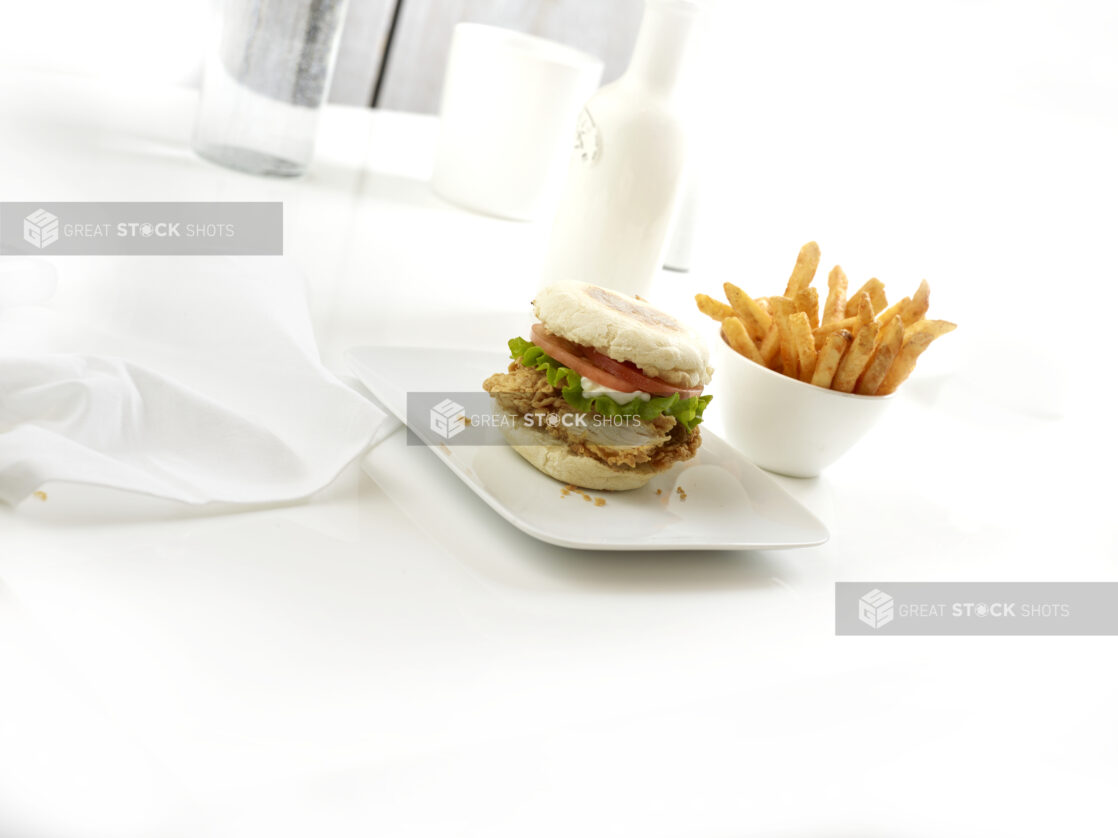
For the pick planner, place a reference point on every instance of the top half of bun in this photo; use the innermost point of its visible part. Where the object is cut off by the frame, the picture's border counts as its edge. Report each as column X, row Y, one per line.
column 625, row 329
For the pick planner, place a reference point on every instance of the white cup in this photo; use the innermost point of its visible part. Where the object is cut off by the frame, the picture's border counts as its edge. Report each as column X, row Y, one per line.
column 509, row 107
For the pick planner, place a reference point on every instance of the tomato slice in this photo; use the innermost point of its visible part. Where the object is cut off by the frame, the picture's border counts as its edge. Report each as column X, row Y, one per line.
column 628, row 371
column 572, row 355
column 603, row 370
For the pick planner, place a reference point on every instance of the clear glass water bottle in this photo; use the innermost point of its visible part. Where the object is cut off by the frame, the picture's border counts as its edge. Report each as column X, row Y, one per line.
column 266, row 76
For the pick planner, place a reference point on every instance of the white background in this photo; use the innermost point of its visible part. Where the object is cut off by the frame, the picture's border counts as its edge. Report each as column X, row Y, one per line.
column 357, row 666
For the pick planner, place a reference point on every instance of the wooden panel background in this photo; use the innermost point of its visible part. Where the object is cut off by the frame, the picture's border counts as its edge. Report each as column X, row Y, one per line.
column 417, row 57
column 361, row 51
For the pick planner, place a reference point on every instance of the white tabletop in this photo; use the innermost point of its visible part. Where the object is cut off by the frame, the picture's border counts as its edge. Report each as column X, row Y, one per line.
column 391, row 658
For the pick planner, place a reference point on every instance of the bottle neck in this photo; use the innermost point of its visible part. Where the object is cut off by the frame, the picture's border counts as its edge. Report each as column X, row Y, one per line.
column 662, row 44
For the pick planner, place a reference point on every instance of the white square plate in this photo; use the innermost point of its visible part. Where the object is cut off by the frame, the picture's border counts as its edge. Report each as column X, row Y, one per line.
column 718, row 500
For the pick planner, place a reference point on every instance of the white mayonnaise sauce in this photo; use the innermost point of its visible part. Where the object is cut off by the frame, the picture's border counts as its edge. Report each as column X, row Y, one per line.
column 591, row 389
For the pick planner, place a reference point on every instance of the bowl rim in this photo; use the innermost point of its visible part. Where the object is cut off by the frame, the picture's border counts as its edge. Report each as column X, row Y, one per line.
column 826, row 390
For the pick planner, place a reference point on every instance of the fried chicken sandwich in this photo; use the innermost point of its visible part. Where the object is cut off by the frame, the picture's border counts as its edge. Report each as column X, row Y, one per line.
column 607, row 393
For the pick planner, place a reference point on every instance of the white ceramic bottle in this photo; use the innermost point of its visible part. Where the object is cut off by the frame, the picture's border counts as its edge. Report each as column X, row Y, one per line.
column 624, row 177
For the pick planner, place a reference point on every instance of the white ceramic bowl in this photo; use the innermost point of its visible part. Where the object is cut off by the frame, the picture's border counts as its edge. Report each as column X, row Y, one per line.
column 785, row 425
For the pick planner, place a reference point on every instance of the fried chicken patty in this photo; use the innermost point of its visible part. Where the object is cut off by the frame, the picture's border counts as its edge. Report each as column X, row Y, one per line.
column 525, row 391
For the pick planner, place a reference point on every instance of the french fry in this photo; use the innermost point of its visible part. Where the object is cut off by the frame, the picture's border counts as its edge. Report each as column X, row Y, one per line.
column 835, row 307
column 856, row 358
column 863, row 308
column 918, row 306
column 893, row 310
column 713, row 308
column 770, row 347
column 763, row 302
column 888, row 345
column 805, row 344
column 740, row 341
column 829, row 357
column 824, row 331
column 755, row 319
column 807, row 263
column 783, row 309
column 935, row 328
column 807, row 301
column 876, row 289
column 905, row 362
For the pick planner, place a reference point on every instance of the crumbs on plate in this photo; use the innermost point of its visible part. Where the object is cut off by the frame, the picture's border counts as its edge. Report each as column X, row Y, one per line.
column 41, row 495
column 682, row 494
column 570, row 487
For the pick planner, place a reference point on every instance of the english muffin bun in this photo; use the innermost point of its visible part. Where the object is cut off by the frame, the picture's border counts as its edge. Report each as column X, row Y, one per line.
column 625, row 329
column 555, row 459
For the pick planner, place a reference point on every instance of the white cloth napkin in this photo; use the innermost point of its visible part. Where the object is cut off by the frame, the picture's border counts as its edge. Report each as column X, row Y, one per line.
column 193, row 378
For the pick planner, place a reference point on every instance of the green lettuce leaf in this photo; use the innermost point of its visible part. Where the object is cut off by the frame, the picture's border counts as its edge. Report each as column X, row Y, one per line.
column 688, row 412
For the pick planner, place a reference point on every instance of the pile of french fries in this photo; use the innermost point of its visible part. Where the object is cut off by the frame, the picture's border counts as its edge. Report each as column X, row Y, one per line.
column 860, row 344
